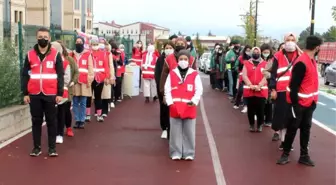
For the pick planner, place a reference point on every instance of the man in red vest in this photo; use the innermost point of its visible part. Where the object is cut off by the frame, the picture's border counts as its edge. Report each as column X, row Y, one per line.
column 183, row 91
column 302, row 95
column 42, row 86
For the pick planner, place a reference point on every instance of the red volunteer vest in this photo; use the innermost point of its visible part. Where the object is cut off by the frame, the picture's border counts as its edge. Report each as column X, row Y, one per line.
column 241, row 61
column 83, row 66
column 137, row 56
column 308, row 92
column 254, row 74
column 172, row 62
column 43, row 76
column 182, row 93
column 100, row 65
column 66, row 91
column 120, row 69
column 283, row 63
column 148, row 70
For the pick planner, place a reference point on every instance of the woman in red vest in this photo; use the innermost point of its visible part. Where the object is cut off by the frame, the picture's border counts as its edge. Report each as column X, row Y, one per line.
column 280, row 74
column 255, row 89
column 63, row 105
column 183, row 91
column 101, row 72
column 82, row 88
column 149, row 59
column 137, row 57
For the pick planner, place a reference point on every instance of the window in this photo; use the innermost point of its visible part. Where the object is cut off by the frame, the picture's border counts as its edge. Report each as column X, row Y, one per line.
column 20, row 16
column 136, row 31
column 16, row 16
column 76, row 4
column 76, row 23
column 88, row 25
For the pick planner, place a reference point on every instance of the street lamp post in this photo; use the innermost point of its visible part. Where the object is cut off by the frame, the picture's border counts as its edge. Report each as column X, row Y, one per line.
column 312, row 23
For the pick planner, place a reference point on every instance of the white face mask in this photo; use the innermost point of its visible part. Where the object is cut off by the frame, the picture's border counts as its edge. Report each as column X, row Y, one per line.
column 169, row 51
column 188, row 43
column 101, row 46
column 95, row 47
column 248, row 53
column 150, row 48
column 216, row 49
column 183, row 64
column 220, row 51
column 290, row 46
column 122, row 50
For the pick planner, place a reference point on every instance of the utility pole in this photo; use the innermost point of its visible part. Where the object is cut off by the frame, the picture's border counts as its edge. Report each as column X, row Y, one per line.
column 312, row 23
column 256, row 24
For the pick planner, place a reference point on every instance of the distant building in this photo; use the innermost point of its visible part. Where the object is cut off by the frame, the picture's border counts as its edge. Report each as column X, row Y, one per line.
column 106, row 28
column 87, row 16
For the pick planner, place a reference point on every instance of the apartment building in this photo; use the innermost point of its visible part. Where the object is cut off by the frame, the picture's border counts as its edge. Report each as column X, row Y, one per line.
column 106, row 28
column 38, row 12
column 87, row 16
column 57, row 14
column 72, row 15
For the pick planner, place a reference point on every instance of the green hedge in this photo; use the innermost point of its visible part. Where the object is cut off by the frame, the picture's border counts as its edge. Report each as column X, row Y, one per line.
column 10, row 92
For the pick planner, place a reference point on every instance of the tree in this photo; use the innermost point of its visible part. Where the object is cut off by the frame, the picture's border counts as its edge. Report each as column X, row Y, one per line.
column 303, row 36
column 200, row 49
column 238, row 38
column 330, row 35
column 248, row 19
column 334, row 12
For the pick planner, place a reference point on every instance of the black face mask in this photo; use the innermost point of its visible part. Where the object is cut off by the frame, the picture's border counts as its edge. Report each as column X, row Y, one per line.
column 79, row 48
column 236, row 47
column 179, row 48
column 42, row 43
column 255, row 56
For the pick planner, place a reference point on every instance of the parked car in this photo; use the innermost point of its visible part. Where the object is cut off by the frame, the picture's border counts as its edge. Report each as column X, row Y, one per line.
column 330, row 74
column 204, row 61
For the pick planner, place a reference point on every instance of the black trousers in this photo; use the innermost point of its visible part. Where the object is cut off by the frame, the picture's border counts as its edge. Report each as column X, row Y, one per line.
column 41, row 105
column 164, row 114
column 97, row 89
column 303, row 120
column 255, row 106
column 239, row 94
column 117, row 88
column 63, row 117
column 234, row 77
column 105, row 105
column 268, row 112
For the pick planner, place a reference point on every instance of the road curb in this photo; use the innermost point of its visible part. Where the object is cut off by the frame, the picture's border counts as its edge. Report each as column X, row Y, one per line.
column 330, row 96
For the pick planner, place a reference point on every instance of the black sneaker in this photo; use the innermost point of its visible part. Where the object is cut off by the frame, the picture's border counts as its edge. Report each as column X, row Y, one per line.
column 306, row 161
column 283, row 160
column 155, row 98
column 81, row 125
column 276, row 137
column 147, row 100
column 52, row 152
column 35, row 152
column 76, row 126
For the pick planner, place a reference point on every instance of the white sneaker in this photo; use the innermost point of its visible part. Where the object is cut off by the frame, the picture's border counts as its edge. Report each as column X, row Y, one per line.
column 96, row 115
column 175, row 158
column 164, row 134
column 109, row 109
column 244, row 110
column 189, row 158
column 235, row 107
column 112, row 105
column 104, row 115
column 59, row 139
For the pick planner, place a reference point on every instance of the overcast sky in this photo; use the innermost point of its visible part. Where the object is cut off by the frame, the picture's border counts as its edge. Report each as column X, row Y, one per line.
column 220, row 16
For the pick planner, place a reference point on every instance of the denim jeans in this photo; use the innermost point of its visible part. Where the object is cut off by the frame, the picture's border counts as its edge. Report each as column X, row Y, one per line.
column 230, row 82
column 79, row 107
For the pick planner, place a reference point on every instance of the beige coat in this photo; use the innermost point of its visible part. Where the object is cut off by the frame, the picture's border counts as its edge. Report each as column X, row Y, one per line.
column 106, row 94
column 84, row 89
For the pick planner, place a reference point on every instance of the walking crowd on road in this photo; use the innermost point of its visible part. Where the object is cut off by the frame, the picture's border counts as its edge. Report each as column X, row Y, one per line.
column 276, row 88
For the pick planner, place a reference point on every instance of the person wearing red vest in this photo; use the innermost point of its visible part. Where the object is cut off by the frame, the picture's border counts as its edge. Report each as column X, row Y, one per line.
column 63, row 105
column 255, row 89
column 302, row 95
column 82, row 88
column 42, row 86
column 183, row 91
column 246, row 55
column 171, row 62
column 137, row 58
column 279, row 80
column 149, row 59
column 101, row 72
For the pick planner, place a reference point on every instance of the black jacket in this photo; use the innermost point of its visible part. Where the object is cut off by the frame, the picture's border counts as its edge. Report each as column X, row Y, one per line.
column 59, row 70
column 159, row 67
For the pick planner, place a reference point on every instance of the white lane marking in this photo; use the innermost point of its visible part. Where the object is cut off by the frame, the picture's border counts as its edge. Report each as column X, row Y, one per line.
column 321, row 125
column 213, row 148
column 321, row 103
column 9, row 141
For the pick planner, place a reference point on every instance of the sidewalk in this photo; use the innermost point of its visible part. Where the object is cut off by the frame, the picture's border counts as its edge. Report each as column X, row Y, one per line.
column 127, row 150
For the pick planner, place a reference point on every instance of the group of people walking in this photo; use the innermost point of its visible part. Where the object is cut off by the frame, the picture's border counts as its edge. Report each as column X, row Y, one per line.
column 277, row 88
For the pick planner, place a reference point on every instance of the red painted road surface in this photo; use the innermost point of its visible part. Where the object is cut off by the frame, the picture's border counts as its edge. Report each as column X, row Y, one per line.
column 127, row 150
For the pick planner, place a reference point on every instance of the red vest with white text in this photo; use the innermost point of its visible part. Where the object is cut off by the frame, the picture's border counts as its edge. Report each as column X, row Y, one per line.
column 120, row 69
column 308, row 91
column 43, row 76
column 148, row 69
column 283, row 63
column 83, row 66
column 66, row 91
column 172, row 62
column 255, row 75
column 137, row 56
column 100, row 65
column 182, row 92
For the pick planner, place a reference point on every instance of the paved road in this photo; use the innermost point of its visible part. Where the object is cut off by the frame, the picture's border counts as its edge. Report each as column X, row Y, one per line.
column 127, row 150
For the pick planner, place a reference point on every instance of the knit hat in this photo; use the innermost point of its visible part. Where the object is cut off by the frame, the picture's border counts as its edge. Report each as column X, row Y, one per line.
column 57, row 46
column 188, row 38
column 184, row 52
column 94, row 40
